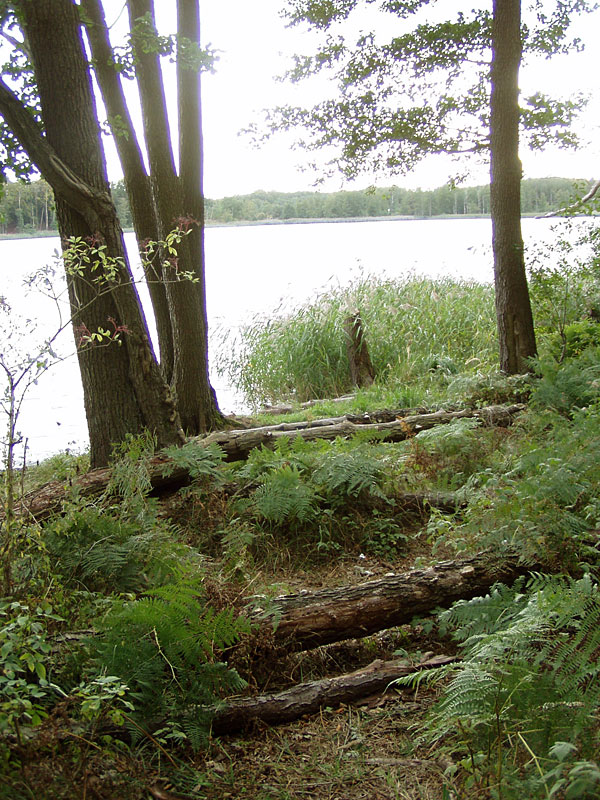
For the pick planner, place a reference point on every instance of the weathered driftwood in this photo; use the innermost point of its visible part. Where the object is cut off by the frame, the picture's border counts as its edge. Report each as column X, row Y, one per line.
column 308, row 698
column 310, row 619
column 288, row 408
column 237, row 445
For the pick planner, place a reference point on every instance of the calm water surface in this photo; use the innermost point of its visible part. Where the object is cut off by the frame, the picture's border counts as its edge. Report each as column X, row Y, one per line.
column 251, row 270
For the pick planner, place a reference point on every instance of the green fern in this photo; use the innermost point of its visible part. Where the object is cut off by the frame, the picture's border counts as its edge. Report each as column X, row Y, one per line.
column 198, row 461
column 545, row 500
column 130, row 476
column 572, row 384
column 165, row 647
column 287, row 452
column 103, row 552
column 284, row 497
column 530, row 669
column 349, row 474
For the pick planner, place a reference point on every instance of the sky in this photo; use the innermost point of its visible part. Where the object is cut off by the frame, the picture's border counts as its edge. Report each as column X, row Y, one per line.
column 255, row 47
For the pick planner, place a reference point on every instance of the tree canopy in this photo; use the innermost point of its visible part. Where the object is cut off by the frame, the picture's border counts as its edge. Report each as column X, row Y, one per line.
column 422, row 89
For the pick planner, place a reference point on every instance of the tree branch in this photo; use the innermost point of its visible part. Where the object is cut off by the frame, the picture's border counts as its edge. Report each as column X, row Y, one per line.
column 91, row 203
column 592, row 192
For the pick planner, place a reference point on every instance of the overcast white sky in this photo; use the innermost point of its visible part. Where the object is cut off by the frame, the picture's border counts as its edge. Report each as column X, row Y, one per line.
column 256, row 46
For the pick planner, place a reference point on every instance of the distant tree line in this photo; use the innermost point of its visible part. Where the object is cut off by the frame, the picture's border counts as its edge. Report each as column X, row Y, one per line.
column 28, row 208
column 537, row 196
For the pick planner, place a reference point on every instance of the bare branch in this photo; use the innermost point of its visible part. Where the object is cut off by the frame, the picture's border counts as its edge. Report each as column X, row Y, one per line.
column 574, row 206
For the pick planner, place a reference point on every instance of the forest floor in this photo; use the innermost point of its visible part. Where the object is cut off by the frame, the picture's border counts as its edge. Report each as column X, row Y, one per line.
column 368, row 749
column 342, row 527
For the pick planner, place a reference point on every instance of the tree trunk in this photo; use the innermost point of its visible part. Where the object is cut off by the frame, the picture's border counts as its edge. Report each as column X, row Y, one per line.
column 178, row 204
column 311, row 619
column 137, row 181
column 123, row 389
column 513, row 309
column 237, row 445
column 308, row 698
column 191, row 175
column 361, row 366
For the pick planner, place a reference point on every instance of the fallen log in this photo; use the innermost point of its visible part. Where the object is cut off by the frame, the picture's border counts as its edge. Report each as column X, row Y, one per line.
column 308, row 698
column 289, row 408
column 310, row 619
column 237, row 445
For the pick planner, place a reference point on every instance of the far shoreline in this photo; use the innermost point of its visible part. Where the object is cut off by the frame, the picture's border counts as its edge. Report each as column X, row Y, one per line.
column 302, row 221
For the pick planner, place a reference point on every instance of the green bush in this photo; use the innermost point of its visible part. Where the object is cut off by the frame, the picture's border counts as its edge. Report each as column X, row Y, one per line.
column 540, row 498
column 95, row 550
column 25, row 648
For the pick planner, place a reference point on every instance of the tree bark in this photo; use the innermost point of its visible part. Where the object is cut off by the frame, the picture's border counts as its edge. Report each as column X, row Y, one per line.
column 308, row 698
column 123, row 389
column 237, row 445
column 513, row 308
column 361, row 366
column 203, row 408
column 179, row 202
column 311, row 619
column 137, row 181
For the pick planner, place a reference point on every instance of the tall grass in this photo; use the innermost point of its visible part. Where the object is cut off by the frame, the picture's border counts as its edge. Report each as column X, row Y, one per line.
column 413, row 325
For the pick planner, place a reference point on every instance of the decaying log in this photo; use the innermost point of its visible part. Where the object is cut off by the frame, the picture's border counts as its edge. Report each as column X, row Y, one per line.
column 308, row 698
column 310, row 619
column 288, row 408
column 362, row 372
column 238, row 444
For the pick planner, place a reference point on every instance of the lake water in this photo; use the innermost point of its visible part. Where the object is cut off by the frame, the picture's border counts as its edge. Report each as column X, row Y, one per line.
column 251, row 270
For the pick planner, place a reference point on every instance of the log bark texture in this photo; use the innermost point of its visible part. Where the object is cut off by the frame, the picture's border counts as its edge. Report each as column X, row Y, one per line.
column 311, row 619
column 362, row 372
column 238, row 444
column 308, row 698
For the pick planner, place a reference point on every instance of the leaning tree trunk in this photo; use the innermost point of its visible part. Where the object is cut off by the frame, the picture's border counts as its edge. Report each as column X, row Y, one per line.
column 195, row 399
column 137, row 181
column 123, row 388
column 513, row 309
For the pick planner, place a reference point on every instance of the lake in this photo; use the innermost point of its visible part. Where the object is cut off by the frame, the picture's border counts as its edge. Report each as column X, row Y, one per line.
column 251, row 270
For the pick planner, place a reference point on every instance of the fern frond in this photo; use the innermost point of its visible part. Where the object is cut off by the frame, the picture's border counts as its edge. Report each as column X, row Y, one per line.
column 284, row 497
column 166, row 647
column 350, row 474
column 199, row 461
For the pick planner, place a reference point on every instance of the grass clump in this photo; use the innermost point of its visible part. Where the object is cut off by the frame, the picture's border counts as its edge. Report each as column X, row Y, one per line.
column 413, row 326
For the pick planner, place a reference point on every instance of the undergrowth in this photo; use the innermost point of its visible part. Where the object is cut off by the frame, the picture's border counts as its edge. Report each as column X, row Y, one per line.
column 520, row 713
column 125, row 608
